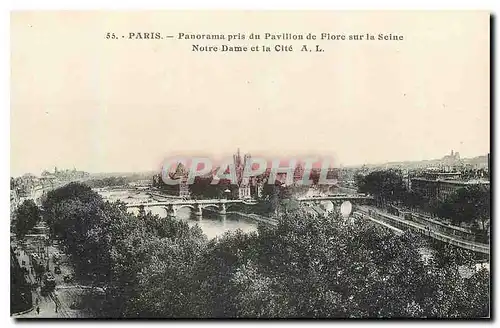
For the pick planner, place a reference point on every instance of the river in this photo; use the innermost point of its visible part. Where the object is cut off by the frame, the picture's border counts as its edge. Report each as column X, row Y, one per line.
column 212, row 224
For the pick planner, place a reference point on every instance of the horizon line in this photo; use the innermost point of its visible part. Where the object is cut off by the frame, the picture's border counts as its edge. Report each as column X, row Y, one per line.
column 338, row 165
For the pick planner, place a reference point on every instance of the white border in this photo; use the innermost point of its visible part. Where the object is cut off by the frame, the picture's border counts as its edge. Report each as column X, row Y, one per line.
column 490, row 5
column 255, row 5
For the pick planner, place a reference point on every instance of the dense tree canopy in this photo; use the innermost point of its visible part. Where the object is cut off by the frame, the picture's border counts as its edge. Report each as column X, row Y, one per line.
column 202, row 188
column 467, row 205
column 73, row 190
column 305, row 267
column 108, row 182
column 385, row 186
column 326, row 268
column 27, row 216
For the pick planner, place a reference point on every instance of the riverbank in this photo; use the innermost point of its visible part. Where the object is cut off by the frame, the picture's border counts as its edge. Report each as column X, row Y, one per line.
column 256, row 217
column 425, row 230
column 212, row 224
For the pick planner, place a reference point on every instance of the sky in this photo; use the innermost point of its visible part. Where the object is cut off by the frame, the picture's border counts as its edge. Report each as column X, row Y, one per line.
column 81, row 100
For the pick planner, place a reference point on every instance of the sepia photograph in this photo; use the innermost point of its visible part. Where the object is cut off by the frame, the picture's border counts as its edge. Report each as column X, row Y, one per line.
column 176, row 164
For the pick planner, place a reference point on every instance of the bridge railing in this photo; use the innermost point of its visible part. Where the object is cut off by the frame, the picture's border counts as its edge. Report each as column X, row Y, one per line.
column 476, row 247
column 190, row 202
column 466, row 234
column 333, row 197
column 382, row 223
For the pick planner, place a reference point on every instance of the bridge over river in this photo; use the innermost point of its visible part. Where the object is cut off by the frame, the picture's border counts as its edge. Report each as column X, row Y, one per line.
column 396, row 224
column 172, row 206
column 222, row 205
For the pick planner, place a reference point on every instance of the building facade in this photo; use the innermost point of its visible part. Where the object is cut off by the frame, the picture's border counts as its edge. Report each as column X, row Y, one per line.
column 244, row 183
column 441, row 189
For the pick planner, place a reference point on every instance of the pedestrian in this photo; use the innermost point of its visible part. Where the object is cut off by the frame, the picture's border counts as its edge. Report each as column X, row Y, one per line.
column 38, row 310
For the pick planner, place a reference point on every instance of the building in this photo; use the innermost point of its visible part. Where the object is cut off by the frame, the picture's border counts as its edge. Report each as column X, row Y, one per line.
column 433, row 174
column 50, row 179
column 259, row 187
column 298, row 174
column 182, row 174
column 244, row 190
column 439, row 186
column 143, row 184
column 184, row 188
column 405, row 175
column 25, row 185
column 14, row 201
column 446, row 188
column 451, row 162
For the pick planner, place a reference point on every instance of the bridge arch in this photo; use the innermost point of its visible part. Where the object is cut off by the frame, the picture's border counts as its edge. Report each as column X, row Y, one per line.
column 215, row 206
column 178, row 207
column 156, row 209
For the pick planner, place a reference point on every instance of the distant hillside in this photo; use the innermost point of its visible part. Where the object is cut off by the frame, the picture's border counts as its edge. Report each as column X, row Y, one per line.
column 479, row 160
column 143, row 175
column 476, row 161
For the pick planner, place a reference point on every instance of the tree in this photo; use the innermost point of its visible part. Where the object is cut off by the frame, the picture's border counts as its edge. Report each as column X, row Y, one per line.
column 166, row 285
column 252, row 289
column 385, row 186
column 27, row 216
column 203, row 188
column 20, row 289
column 215, row 269
column 414, row 199
column 107, row 182
column 321, row 267
column 308, row 267
column 467, row 205
column 73, row 190
column 273, row 196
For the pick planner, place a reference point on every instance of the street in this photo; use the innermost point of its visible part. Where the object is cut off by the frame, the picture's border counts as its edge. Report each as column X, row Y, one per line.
column 59, row 303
